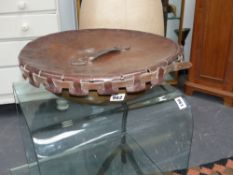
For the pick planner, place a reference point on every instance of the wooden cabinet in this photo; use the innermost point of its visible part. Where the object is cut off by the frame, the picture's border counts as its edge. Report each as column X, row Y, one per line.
column 27, row 26
column 22, row 21
column 212, row 50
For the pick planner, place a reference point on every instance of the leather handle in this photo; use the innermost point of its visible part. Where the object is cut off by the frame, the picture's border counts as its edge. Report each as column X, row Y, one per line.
column 96, row 55
column 106, row 51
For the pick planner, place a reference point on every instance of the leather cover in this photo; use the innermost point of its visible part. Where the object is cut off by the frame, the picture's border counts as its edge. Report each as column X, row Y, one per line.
column 101, row 60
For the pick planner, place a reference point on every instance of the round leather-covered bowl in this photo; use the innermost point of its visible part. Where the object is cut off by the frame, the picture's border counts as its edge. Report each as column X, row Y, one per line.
column 94, row 64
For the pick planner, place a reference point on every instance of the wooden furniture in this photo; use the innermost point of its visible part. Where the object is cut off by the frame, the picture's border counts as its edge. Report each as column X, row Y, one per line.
column 20, row 22
column 212, row 50
column 93, row 63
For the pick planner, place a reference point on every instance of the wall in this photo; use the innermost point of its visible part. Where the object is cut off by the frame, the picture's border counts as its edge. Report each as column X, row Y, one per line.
column 68, row 18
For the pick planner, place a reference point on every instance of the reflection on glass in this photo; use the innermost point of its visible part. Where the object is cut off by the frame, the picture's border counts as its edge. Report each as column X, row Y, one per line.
column 56, row 138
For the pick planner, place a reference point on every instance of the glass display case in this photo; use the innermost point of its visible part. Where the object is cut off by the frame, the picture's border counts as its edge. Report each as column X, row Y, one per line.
column 150, row 134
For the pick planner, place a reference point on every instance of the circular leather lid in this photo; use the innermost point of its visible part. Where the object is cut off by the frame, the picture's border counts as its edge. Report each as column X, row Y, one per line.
column 102, row 60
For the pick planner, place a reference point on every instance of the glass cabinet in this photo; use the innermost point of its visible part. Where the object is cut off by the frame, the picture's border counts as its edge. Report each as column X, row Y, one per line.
column 150, row 134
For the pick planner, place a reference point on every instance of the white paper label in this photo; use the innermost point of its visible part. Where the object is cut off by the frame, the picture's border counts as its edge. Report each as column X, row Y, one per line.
column 117, row 97
column 181, row 103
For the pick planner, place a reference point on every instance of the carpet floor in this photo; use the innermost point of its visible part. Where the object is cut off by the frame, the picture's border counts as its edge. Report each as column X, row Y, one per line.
column 220, row 167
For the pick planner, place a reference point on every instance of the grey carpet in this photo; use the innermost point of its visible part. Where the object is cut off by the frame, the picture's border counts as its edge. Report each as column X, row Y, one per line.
column 11, row 146
column 213, row 138
column 213, row 128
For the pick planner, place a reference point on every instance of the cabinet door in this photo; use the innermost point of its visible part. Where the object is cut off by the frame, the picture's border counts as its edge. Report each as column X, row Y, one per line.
column 9, row 52
column 27, row 26
column 12, row 6
column 212, row 40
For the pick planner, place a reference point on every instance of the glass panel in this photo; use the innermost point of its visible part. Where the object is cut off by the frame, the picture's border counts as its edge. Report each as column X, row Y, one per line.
column 149, row 134
column 173, row 18
column 175, row 9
